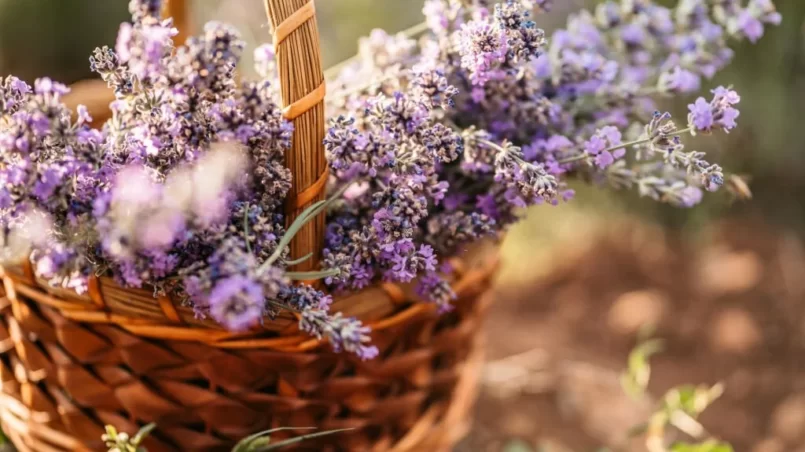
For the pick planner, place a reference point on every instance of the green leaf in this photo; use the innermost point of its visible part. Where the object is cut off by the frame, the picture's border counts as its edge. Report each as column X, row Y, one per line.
column 247, row 444
column 308, row 214
column 638, row 373
column 246, row 228
column 111, row 431
column 707, row 446
column 300, row 260
column 298, row 439
column 140, row 436
column 517, row 445
column 300, row 221
column 304, row 276
column 693, row 400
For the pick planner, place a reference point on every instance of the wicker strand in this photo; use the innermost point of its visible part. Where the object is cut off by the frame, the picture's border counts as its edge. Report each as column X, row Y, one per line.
column 178, row 10
column 296, row 39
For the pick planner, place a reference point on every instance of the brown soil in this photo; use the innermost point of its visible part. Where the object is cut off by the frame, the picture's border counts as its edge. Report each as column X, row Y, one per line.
column 729, row 306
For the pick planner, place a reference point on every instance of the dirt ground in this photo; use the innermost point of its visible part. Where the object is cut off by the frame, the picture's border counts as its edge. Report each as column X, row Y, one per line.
column 729, row 307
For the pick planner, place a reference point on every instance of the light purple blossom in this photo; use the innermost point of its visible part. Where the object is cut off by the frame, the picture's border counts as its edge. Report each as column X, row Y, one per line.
column 603, row 146
column 83, row 114
column 719, row 113
column 343, row 333
column 679, row 80
column 236, row 302
column 482, row 47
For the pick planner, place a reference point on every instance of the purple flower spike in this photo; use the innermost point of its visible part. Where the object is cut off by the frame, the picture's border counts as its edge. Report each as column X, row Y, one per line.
column 236, row 302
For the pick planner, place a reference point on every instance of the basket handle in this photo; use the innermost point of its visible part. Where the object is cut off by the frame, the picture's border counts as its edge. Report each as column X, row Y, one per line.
column 296, row 44
column 178, row 10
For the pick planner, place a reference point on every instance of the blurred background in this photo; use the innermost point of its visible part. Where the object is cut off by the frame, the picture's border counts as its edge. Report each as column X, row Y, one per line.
column 723, row 285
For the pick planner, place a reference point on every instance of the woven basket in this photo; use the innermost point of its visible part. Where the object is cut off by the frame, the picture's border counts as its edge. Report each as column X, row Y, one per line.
column 70, row 364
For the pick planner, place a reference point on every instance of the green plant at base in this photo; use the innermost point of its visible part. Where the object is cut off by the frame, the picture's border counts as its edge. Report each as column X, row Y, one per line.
column 258, row 442
column 121, row 442
column 680, row 406
column 261, row 442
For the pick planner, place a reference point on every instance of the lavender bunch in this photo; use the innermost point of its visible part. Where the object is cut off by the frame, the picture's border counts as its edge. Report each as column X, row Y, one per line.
column 450, row 134
column 50, row 167
column 432, row 143
column 181, row 190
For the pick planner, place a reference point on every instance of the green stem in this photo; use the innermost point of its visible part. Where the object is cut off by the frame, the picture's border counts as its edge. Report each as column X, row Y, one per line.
column 308, row 214
column 585, row 155
column 313, row 274
column 246, row 228
column 279, row 305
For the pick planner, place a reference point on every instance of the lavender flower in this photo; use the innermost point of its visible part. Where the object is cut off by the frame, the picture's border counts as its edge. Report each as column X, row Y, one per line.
column 749, row 22
column 236, row 302
column 679, row 80
column 483, row 46
column 604, row 146
column 717, row 114
column 436, row 290
column 343, row 333
column 264, row 61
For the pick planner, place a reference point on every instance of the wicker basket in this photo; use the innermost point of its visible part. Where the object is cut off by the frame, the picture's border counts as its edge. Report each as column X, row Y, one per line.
column 70, row 364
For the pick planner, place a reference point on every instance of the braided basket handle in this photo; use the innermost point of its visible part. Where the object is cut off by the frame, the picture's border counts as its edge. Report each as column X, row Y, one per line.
column 296, row 43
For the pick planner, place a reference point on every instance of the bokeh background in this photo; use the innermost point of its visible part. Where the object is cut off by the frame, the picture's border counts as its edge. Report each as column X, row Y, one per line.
column 723, row 285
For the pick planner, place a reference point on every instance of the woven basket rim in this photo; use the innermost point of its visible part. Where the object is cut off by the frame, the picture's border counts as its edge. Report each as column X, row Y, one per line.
column 381, row 306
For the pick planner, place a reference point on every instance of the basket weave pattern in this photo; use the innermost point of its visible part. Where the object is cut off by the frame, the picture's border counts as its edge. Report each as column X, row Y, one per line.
column 64, row 379
column 69, row 363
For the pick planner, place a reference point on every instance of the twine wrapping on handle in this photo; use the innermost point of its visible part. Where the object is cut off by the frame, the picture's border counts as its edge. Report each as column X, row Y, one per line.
column 296, row 43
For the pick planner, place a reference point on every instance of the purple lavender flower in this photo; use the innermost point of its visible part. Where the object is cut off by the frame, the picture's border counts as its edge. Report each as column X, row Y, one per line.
column 431, row 84
column 83, row 115
column 143, row 10
column 304, row 297
column 354, row 154
column 679, row 80
column 603, row 146
column 749, row 22
column 482, row 47
column 701, row 114
column 264, row 61
column 439, row 14
column 343, row 333
column 719, row 113
column 13, row 93
column 436, row 290
column 144, row 47
column 523, row 179
column 684, row 196
column 524, row 39
column 236, row 302
column 749, row 25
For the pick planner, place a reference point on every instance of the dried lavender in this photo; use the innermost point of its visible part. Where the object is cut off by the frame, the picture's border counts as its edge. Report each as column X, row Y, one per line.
column 520, row 113
column 433, row 143
column 181, row 190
